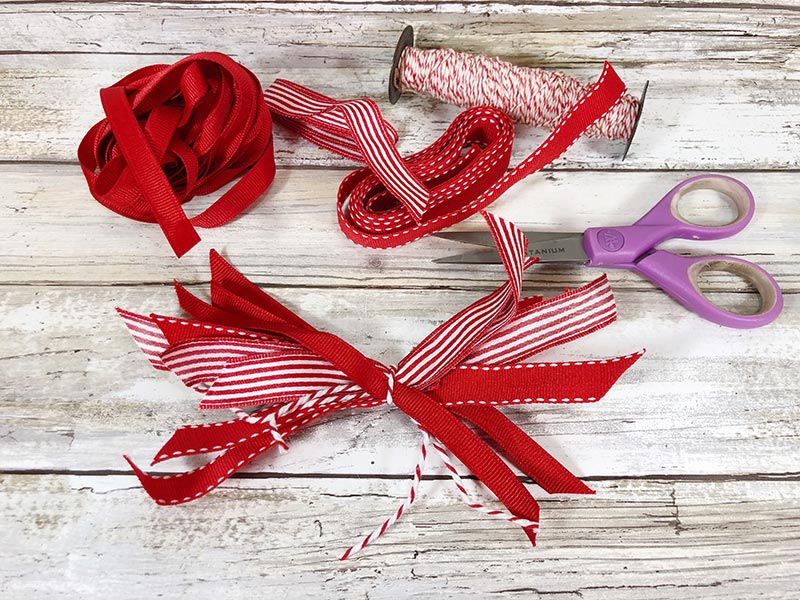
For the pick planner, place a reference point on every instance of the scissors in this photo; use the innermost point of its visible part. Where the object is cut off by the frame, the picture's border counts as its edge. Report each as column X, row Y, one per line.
column 633, row 247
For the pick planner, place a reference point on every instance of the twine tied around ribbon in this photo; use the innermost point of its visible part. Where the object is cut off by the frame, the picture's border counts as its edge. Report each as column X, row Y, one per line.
column 245, row 349
column 391, row 372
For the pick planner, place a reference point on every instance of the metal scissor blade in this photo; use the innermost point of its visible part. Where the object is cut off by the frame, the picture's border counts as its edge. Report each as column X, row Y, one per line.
column 484, row 238
column 562, row 247
column 477, row 238
column 479, row 257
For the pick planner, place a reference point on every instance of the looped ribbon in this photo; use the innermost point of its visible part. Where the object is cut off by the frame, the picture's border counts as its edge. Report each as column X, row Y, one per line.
column 176, row 131
column 245, row 349
column 173, row 132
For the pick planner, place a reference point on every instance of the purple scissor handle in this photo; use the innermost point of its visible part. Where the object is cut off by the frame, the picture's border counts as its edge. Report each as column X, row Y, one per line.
column 633, row 247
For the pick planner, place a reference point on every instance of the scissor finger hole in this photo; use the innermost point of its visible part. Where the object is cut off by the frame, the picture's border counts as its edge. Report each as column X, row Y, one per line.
column 709, row 208
column 711, row 202
column 733, row 287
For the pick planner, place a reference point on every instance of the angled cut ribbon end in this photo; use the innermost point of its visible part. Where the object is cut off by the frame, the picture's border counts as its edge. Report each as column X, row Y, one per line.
column 144, row 478
column 614, row 369
column 530, row 531
column 147, row 335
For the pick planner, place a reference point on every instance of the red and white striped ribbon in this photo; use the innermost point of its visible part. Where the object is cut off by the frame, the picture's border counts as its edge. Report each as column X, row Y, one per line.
column 354, row 128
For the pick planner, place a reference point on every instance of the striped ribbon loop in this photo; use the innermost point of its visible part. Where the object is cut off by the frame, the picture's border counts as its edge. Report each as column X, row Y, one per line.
column 244, row 349
column 354, row 129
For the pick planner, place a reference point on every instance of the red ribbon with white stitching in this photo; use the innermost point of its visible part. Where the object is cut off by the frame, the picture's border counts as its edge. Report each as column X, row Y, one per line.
column 176, row 131
column 245, row 349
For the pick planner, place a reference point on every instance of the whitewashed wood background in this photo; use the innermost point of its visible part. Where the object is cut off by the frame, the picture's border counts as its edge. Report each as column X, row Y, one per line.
column 694, row 454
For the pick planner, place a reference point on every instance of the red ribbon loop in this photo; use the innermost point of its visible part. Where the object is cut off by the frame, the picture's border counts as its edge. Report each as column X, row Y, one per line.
column 246, row 349
column 176, row 131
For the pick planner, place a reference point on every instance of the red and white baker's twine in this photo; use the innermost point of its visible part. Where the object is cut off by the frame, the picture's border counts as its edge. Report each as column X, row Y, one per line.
column 458, row 484
column 245, row 349
column 531, row 96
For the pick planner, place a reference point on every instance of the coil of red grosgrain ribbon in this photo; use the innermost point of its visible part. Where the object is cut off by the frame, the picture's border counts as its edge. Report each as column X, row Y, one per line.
column 245, row 349
column 176, row 131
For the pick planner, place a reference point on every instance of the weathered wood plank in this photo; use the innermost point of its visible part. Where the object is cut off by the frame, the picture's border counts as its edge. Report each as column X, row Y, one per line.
column 742, row 119
column 725, row 99
column 562, row 32
column 704, row 400
column 93, row 537
column 52, row 231
column 476, row 6
column 455, row 6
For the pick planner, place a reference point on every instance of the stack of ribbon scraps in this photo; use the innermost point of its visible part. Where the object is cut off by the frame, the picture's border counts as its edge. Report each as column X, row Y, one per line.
column 176, row 131
column 245, row 349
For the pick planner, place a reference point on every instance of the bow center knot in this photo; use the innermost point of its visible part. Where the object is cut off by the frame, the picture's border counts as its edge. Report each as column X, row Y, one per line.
column 391, row 372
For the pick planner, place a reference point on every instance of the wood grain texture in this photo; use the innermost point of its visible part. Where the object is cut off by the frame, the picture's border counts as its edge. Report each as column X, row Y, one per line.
column 53, row 232
column 652, row 539
column 693, row 454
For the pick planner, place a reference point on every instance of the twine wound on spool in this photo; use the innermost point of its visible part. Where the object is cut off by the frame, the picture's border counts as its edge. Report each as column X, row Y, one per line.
column 527, row 95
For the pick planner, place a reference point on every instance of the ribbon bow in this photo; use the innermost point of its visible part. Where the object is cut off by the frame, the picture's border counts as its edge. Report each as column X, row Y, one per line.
column 246, row 349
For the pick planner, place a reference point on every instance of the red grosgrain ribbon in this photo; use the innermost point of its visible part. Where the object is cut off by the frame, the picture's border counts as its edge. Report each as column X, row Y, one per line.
column 176, row 131
column 393, row 200
column 246, row 349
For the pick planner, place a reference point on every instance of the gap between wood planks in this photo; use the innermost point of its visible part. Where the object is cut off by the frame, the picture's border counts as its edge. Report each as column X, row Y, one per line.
column 346, row 169
column 788, row 476
column 434, row 4
column 543, row 286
